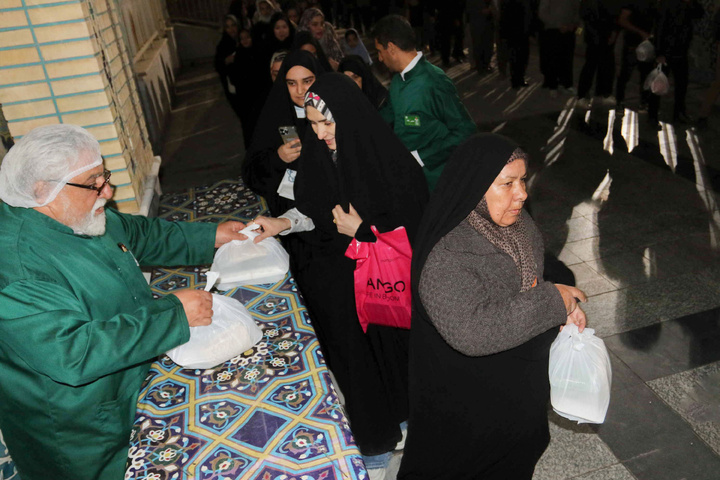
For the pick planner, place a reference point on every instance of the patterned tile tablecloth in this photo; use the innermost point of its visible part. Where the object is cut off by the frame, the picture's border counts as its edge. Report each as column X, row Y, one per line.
column 268, row 414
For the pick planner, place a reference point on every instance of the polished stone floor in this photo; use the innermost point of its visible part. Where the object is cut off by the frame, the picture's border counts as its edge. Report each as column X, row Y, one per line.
column 630, row 210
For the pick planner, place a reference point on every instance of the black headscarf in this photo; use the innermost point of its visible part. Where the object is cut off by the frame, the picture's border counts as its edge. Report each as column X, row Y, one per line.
column 273, row 43
column 305, row 38
column 262, row 168
column 371, row 86
column 374, row 171
column 468, row 174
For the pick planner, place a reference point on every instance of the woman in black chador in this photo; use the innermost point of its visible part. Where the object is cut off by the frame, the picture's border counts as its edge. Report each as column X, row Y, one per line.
column 270, row 160
column 483, row 321
column 354, row 173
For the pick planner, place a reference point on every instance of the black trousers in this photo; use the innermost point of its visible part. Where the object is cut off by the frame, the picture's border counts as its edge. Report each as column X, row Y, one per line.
column 557, row 51
column 450, row 35
column 629, row 62
column 599, row 63
column 518, row 54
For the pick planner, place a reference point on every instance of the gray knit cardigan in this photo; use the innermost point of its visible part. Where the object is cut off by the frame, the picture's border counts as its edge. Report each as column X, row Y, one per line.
column 471, row 291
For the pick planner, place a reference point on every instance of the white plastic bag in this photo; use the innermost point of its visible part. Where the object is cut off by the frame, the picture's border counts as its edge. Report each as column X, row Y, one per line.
column 242, row 262
column 657, row 82
column 232, row 332
column 580, row 375
column 645, row 51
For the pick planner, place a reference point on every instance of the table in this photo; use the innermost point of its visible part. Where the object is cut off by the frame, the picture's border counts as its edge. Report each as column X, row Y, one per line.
column 268, row 414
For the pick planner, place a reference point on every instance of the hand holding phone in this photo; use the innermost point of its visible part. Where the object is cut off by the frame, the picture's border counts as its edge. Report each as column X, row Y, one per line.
column 289, row 152
column 288, row 133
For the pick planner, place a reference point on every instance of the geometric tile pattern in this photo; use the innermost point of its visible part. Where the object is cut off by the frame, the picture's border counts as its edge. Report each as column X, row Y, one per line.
column 270, row 412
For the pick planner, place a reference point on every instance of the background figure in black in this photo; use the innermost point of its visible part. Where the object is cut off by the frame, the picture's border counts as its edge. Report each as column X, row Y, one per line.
column 560, row 19
column 450, row 29
column 283, row 34
column 354, row 67
column 304, row 40
column 261, row 29
column 225, row 60
column 238, row 8
column 516, row 21
column 251, row 78
column 482, row 16
column 600, row 34
column 637, row 20
column 293, row 12
column 674, row 34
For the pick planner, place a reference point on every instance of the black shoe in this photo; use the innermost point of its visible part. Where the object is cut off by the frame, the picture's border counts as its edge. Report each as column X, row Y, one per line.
column 702, row 123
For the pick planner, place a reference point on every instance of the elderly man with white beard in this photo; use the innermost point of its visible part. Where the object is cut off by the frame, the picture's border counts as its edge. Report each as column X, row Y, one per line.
column 78, row 323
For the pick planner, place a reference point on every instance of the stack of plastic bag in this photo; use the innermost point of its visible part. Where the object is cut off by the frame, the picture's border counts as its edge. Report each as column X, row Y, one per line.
column 580, row 375
column 243, row 262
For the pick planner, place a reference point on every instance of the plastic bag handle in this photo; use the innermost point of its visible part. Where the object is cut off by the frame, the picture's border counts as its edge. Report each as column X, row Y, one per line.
column 249, row 230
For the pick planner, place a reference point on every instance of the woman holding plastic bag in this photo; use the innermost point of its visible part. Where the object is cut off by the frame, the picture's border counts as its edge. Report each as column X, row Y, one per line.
column 271, row 162
column 483, row 321
column 354, row 173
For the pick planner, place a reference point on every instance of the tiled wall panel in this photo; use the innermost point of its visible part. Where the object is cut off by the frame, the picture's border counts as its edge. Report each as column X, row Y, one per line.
column 65, row 61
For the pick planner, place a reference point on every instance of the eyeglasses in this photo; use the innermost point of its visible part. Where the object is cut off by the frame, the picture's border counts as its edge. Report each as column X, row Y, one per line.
column 106, row 179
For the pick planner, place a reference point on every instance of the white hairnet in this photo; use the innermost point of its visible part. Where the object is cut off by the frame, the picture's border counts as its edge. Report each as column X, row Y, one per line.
column 39, row 165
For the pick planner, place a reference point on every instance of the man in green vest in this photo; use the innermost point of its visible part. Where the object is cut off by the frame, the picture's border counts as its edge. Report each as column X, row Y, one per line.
column 78, row 322
column 423, row 104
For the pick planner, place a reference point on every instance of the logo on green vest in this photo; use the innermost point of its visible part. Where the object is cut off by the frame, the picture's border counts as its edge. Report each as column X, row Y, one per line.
column 412, row 121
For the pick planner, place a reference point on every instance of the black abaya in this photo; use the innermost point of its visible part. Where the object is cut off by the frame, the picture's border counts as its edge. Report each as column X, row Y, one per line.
column 481, row 417
column 380, row 178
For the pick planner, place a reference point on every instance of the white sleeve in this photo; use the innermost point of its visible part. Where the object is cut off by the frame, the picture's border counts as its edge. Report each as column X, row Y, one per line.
column 298, row 222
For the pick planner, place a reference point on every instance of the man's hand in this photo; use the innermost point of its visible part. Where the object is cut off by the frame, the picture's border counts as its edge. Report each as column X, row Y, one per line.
column 227, row 232
column 270, row 227
column 197, row 305
column 289, row 152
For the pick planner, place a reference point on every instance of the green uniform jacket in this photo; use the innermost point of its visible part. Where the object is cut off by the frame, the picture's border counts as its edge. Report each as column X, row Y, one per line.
column 78, row 330
column 426, row 113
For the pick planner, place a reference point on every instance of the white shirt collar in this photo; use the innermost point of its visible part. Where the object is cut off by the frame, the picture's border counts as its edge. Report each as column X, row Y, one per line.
column 411, row 65
column 299, row 112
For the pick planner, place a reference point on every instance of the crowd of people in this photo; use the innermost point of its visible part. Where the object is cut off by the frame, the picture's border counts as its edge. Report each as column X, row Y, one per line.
column 336, row 155
column 500, row 32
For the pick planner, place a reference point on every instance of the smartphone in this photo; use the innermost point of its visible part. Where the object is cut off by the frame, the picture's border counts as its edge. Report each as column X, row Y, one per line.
column 288, row 133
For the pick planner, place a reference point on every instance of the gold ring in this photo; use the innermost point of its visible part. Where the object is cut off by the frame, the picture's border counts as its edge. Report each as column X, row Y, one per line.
column 334, row 221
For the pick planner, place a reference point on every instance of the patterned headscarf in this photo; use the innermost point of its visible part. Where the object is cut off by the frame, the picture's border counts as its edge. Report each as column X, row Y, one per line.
column 513, row 239
column 312, row 100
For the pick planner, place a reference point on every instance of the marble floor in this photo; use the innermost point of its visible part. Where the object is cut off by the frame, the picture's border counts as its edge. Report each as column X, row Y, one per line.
column 631, row 210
